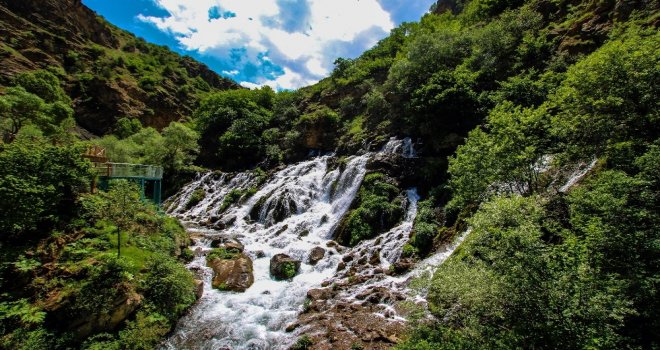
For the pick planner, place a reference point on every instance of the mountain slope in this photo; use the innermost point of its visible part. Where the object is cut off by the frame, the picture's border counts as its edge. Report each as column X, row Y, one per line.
column 108, row 72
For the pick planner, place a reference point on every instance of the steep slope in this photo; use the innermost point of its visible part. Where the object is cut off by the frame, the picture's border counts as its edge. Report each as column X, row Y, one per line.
column 109, row 73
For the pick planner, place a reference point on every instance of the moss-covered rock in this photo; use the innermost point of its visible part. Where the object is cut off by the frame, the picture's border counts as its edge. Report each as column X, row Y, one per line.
column 283, row 267
column 231, row 271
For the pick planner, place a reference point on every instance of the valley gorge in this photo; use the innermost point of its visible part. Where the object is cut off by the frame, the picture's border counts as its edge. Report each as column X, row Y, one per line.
column 485, row 177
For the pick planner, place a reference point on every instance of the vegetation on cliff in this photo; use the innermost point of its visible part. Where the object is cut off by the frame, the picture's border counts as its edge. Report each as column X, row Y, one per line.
column 108, row 73
column 543, row 268
column 63, row 284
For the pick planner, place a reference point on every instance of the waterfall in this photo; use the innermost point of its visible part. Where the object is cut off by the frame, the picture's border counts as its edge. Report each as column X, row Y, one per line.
column 294, row 211
column 580, row 172
column 404, row 146
column 311, row 199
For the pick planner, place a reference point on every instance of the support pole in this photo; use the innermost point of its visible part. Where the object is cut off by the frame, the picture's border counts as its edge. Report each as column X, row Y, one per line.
column 159, row 194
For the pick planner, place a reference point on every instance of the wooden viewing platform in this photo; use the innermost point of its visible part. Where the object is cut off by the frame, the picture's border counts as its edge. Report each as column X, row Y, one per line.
column 148, row 177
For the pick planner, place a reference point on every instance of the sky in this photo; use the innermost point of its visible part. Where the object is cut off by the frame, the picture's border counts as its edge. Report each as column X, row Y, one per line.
column 285, row 44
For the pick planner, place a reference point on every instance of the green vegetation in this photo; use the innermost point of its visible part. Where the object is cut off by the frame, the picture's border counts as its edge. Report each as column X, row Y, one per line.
column 174, row 148
column 378, row 208
column 303, row 343
column 63, row 285
column 425, row 229
column 289, row 269
column 234, row 196
column 39, row 183
column 222, row 254
column 197, row 196
column 36, row 99
column 546, row 270
column 73, row 273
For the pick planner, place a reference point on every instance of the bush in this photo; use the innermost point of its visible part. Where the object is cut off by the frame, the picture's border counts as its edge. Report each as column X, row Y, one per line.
column 169, row 287
column 221, row 253
column 196, row 197
column 378, row 209
column 303, row 343
column 127, row 127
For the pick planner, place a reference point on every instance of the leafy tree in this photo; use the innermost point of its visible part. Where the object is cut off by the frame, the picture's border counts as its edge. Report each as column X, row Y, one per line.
column 44, row 84
column 239, row 117
column 127, row 127
column 179, row 145
column 502, row 159
column 610, row 96
column 377, row 209
column 169, row 286
column 20, row 107
column 38, row 184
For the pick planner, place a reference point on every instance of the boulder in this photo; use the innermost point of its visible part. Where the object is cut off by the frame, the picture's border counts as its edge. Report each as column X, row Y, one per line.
column 234, row 245
column 235, row 274
column 401, row 266
column 316, row 255
column 81, row 325
column 229, row 244
column 199, row 288
column 283, row 267
column 270, row 210
column 319, row 294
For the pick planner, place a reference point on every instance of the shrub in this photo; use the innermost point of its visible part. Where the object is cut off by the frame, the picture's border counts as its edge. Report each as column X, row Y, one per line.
column 303, row 343
column 196, row 197
column 378, row 209
column 169, row 286
column 38, row 184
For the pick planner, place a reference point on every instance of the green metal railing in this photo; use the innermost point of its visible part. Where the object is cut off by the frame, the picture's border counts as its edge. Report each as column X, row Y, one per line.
column 127, row 170
column 143, row 175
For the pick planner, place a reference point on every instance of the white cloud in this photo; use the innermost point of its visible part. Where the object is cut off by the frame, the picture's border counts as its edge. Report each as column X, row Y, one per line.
column 262, row 32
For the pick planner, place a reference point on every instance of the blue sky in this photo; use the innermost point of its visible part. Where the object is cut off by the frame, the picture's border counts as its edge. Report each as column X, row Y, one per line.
column 285, row 44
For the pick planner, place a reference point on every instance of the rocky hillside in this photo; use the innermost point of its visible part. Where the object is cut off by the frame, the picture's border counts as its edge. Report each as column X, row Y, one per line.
column 109, row 73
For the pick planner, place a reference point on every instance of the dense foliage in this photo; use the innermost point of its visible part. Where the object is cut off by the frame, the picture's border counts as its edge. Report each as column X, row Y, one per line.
column 63, row 285
column 39, row 183
column 70, row 289
column 377, row 209
column 540, row 268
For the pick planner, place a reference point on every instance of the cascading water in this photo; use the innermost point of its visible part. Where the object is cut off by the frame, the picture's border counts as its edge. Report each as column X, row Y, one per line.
column 580, row 172
column 404, row 147
column 295, row 211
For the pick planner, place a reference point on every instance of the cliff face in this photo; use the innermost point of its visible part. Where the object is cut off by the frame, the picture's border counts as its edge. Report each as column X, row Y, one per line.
column 109, row 73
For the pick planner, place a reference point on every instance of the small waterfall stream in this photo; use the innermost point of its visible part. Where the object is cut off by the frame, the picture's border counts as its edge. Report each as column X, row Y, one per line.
column 294, row 211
